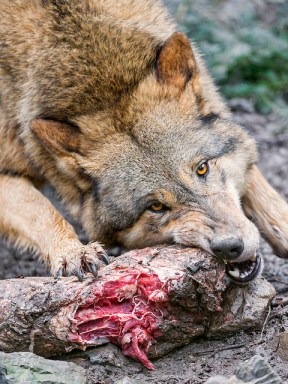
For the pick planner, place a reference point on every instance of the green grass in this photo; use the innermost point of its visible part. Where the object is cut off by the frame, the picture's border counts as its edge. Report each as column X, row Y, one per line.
column 246, row 51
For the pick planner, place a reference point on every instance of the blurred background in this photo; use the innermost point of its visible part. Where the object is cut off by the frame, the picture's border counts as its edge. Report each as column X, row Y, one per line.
column 245, row 45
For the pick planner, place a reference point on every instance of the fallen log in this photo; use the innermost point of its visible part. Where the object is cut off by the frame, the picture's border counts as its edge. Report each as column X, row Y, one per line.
column 147, row 301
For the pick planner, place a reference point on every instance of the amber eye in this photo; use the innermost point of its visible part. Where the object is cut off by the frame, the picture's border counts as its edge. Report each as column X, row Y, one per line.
column 157, row 207
column 202, row 169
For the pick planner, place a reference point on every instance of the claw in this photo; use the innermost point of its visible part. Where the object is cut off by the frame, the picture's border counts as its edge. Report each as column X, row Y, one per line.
column 80, row 274
column 105, row 258
column 59, row 273
column 93, row 269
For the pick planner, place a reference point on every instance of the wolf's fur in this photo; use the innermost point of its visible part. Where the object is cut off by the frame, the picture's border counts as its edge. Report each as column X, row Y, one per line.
column 102, row 99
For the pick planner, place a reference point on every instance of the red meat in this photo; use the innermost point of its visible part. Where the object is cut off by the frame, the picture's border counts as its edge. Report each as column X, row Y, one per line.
column 130, row 309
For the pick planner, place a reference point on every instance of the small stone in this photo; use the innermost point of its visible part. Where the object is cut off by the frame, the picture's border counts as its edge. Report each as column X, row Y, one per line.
column 26, row 367
column 193, row 358
column 282, row 350
column 127, row 380
column 107, row 354
column 254, row 371
column 257, row 368
column 222, row 380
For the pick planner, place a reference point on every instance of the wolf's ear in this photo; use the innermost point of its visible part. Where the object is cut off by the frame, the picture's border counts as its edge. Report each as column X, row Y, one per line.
column 176, row 64
column 56, row 136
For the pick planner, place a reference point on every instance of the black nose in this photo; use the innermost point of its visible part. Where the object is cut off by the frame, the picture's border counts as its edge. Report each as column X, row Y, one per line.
column 229, row 248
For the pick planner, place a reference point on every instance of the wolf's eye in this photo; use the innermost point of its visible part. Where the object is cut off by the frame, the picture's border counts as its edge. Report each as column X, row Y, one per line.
column 157, row 207
column 202, row 169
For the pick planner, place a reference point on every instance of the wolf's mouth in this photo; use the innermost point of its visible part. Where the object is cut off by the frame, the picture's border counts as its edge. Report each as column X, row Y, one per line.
column 245, row 271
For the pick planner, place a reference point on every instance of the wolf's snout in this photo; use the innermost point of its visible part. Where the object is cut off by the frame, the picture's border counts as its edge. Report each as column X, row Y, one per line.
column 227, row 248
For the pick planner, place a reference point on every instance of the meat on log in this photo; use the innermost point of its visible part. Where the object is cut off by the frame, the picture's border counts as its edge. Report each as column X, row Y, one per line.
column 147, row 301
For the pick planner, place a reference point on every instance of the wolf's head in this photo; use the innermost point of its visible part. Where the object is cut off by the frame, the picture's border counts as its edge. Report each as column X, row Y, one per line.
column 164, row 167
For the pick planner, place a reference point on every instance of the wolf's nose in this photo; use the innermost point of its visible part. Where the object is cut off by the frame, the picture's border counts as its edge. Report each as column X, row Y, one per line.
column 229, row 248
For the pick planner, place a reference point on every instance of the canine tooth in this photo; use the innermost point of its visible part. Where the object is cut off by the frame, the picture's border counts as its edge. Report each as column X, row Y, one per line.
column 244, row 274
column 253, row 258
column 235, row 273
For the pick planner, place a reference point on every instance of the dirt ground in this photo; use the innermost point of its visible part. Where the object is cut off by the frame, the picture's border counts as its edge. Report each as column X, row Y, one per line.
column 202, row 359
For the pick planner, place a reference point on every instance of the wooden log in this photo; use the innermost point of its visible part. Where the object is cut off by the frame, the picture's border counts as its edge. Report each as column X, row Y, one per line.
column 147, row 301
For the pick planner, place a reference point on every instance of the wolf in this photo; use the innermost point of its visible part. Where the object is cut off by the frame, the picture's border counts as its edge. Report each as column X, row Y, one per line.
column 113, row 107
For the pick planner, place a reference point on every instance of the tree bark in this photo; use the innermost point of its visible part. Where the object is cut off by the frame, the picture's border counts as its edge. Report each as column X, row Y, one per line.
column 147, row 301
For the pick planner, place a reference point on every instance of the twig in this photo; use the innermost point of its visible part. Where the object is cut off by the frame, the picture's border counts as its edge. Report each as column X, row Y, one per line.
column 264, row 325
column 218, row 349
column 278, row 281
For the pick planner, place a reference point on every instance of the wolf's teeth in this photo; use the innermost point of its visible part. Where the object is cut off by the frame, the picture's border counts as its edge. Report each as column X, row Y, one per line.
column 253, row 258
column 235, row 273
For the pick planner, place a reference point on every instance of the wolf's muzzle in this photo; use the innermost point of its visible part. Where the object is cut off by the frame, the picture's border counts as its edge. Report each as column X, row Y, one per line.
column 227, row 248
column 230, row 249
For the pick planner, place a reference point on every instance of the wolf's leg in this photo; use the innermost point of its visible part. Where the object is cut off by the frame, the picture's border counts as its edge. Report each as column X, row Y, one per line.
column 268, row 210
column 29, row 219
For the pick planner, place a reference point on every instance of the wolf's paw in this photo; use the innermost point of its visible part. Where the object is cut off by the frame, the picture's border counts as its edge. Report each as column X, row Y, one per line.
column 79, row 261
